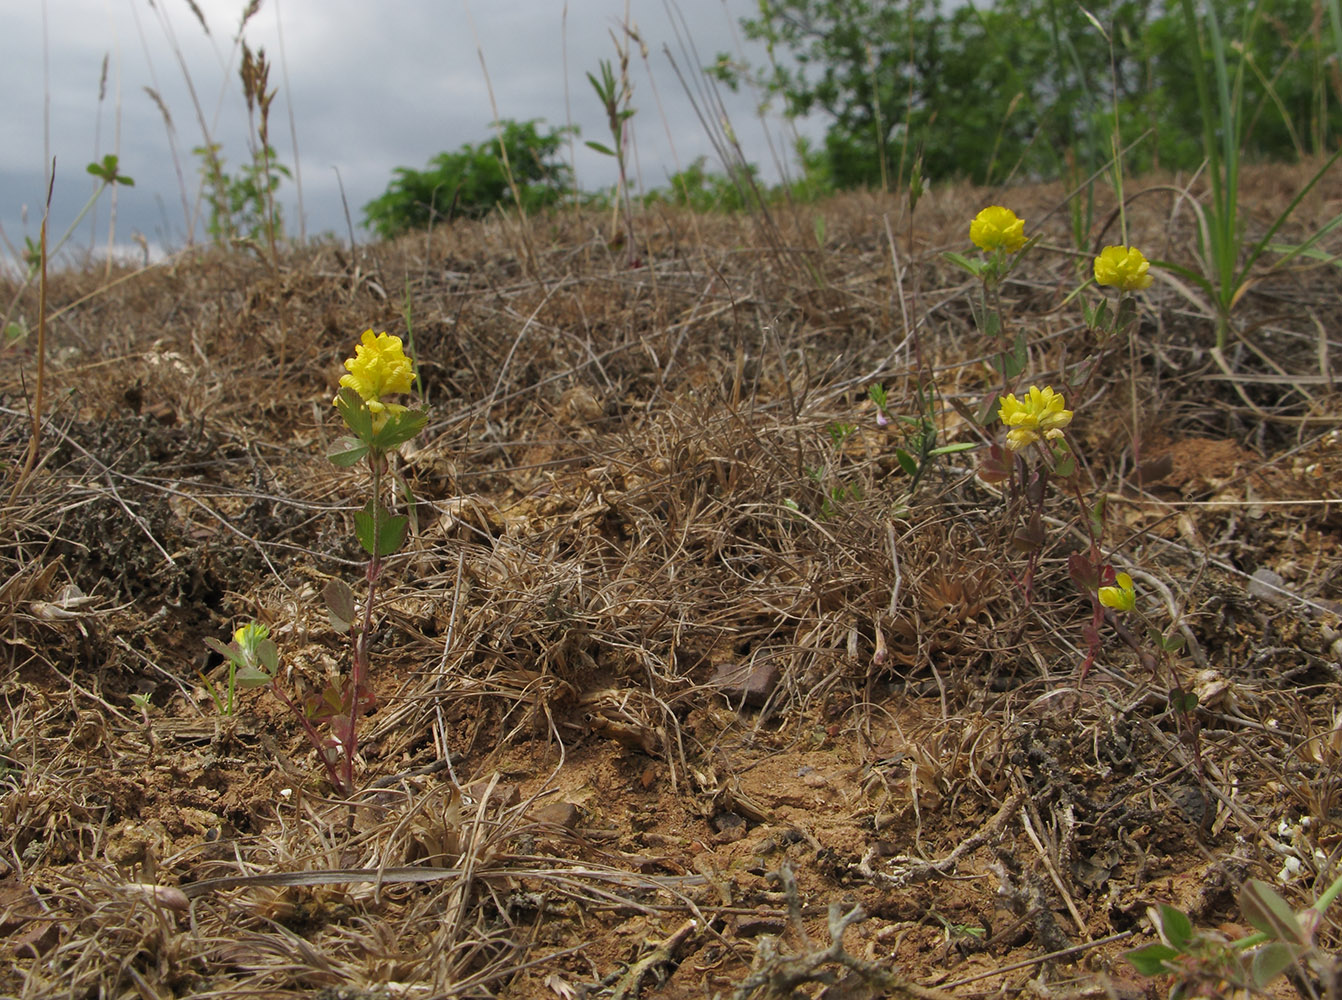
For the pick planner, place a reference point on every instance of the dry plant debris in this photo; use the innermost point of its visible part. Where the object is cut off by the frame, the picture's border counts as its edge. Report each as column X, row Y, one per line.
column 660, row 632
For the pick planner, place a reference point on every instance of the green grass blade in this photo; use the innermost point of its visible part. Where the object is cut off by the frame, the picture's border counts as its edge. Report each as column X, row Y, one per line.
column 1256, row 251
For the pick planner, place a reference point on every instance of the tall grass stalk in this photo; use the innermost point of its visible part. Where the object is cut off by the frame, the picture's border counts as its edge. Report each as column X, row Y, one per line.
column 293, row 126
column 523, row 223
column 1226, row 266
column 35, row 441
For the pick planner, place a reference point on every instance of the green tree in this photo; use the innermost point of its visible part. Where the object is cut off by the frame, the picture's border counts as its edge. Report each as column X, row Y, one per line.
column 1018, row 87
column 474, row 180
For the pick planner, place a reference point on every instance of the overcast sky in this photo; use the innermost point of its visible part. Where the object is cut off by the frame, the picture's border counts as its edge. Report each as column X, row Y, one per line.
column 372, row 85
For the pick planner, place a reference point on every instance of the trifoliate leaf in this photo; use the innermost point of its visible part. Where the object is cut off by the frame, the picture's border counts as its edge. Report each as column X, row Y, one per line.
column 399, row 429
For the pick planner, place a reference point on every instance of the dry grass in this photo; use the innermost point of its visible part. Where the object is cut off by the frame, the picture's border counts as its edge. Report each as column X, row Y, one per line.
column 626, row 486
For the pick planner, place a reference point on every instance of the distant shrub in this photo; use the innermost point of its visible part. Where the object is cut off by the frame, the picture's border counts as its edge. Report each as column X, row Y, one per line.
column 704, row 190
column 242, row 204
column 474, row 180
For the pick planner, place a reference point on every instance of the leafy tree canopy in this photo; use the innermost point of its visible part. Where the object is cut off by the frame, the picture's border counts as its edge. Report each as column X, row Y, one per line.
column 474, row 180
column 1019, row 87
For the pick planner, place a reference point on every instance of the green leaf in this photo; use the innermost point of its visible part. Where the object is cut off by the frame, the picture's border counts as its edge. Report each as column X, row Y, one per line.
column 1266, row 911
column 906, row 462
column 378, row 530
column 951, row 449
column 1270, row 961
column 1175, row 927
column 251, row 677
column 227, row 652
column 269, row 654
column 346, row 451
column 339, row 603
column 602, row 149
column 363, row 527
column 988, row 412
column 400, row 429
column 392, row 534
column 974, row 267
column 107, row 171
column 355, row 413
column 1150, row 960
column 213, row 692
column 1183, row 701
column 1096, row 515
column 1013, row 362
column 1127, row 313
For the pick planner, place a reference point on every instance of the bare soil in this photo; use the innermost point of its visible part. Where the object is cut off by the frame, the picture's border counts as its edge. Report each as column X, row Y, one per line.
column 673, row 674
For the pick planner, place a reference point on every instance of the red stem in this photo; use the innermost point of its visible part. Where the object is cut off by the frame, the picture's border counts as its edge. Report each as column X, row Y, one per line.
column 359, row 664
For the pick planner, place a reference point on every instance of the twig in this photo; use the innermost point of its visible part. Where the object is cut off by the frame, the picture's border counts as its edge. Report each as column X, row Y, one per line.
column 1051, row 956
column 629, row 984
column 917, row 869
column 782, row 974
column 1052, row 871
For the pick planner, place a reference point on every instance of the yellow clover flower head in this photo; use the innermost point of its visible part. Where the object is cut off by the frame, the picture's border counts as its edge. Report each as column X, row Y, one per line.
column 1040, row 415
column 379, row 367
column 997, row 228
column 1123, row 268
column 250, row 634
column 1122, row 597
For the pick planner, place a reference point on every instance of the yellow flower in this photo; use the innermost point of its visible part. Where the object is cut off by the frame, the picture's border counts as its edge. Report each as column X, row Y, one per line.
column 1120, row 598
column 250, row 634
column 1039, row 415
column 379, row 367
column 1123, row 268
column 997, row 228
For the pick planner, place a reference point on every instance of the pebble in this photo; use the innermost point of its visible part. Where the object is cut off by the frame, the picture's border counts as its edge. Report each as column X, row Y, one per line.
column 748, row 682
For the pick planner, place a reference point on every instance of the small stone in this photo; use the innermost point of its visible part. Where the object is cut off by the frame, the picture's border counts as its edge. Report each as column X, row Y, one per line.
column 729, row 826
column 561, row 814
column 1268, row 586
column 748, row 682
column 503, row 795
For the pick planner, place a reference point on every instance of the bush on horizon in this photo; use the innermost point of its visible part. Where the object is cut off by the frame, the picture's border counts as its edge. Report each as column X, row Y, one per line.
column 472, row 181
